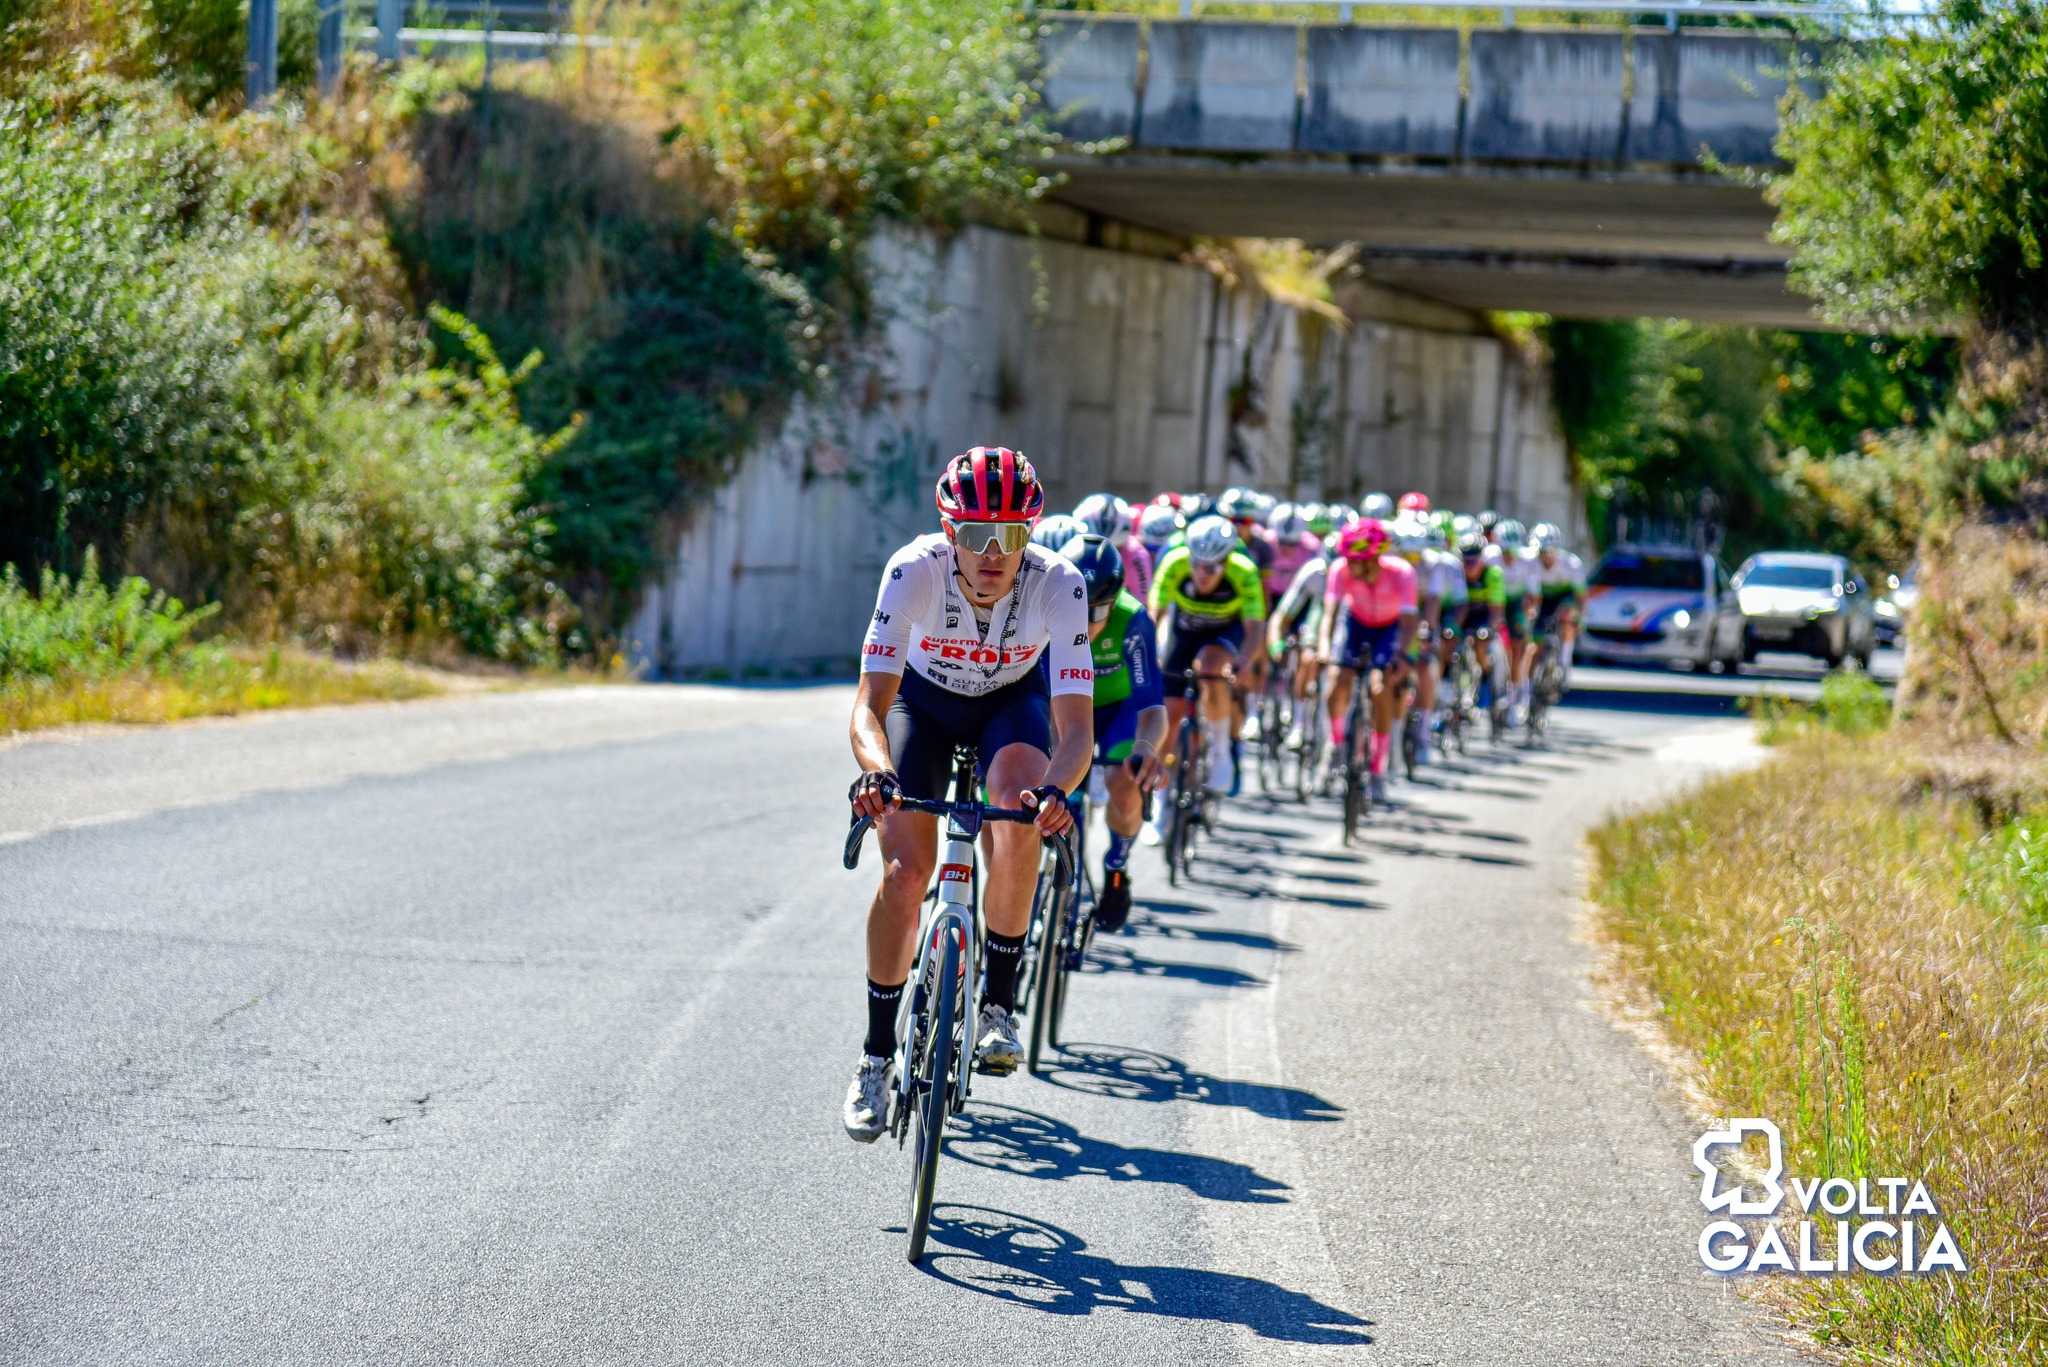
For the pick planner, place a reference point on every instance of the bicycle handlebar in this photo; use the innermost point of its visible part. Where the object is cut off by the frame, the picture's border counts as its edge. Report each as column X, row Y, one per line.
column 1021, row 815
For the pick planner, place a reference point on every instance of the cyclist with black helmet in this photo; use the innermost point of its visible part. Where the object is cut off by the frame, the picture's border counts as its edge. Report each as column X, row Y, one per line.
column 1130, row 712
column 978, row 637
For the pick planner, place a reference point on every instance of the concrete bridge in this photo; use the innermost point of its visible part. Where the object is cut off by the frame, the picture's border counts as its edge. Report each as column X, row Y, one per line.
column 1556, row 170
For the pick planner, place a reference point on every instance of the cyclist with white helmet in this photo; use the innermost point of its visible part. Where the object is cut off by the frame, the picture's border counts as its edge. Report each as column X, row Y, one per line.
column 1158, row 526
column 1560, row 580
column 1294, row 545
column 1056, row 531
column 1377, row 506
column 1370, row 594
column 1518, row 574
column 1209, row 601
column 1452, row 590
column 1107, row 516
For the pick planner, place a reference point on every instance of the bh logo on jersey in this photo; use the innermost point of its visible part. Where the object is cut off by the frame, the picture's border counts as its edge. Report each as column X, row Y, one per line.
column 1883, row 1225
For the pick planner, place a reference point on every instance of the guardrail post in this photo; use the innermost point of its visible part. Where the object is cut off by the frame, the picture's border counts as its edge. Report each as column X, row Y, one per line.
column 390, row 19
column 328, row 48
column 262, row 52
column 1507, row 16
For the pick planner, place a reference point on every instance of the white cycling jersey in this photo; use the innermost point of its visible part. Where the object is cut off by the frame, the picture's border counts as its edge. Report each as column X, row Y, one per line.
column 1519, row 574
column 1568, row 575
column 923, row 620
column 1442, row 575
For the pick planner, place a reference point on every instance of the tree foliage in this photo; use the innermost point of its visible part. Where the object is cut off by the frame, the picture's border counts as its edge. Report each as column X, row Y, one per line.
column 1917, row 186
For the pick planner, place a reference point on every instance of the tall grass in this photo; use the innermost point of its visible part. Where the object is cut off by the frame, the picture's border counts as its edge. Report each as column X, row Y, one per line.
column 78, row 649
column 1867, row 968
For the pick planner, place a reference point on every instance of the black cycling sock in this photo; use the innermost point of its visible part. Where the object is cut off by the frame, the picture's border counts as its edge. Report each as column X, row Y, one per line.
column 882, row 1004
column 1005, row 955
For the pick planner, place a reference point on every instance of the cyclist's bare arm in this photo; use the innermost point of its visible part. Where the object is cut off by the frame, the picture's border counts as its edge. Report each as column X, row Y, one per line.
column 871, row 701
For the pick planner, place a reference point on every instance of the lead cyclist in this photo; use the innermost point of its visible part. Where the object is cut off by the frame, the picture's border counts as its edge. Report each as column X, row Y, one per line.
column 963, row 622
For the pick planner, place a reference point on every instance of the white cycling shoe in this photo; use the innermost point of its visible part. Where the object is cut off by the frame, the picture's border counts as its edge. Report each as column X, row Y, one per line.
column 997, row 1050
column 866, row 1113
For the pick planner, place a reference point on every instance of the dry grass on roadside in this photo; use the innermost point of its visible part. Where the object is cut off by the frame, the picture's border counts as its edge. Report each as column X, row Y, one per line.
column 1861, row 960
column 210, row 682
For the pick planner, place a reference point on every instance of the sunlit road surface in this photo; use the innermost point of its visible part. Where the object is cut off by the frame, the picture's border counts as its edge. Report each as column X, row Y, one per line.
column 514, row 1029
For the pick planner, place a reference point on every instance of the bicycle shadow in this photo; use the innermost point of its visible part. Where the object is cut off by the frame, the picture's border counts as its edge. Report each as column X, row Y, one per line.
column 1167, row 907
column 1252, row 892
column 1241, row 939
column 1124, row 1074
column 1025, row 1143
column 1107, row 957
column 1411, row 850
column 1041, row 1266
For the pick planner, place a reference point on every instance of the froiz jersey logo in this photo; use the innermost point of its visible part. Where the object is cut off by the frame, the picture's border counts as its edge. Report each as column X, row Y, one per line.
column 974, row 652
column 1883, row 1225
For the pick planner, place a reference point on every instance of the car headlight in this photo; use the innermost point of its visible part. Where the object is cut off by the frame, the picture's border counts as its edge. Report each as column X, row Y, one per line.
column 1681, row 619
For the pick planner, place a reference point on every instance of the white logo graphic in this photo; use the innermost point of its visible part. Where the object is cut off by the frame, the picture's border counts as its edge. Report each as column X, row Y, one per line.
column 1731, row 1200
column 1880, row 1225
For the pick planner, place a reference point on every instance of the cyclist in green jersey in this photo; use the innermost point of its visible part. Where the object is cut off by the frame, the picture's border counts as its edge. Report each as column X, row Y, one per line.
column 1211, row 604
column 1130, row 712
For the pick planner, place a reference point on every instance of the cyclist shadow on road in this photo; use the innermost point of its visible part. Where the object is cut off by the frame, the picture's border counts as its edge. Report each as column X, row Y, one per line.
column 1032, row 1263
column 1124, row 1074
column 1109, row 957
column 1027, row 1144
column 1142, row 926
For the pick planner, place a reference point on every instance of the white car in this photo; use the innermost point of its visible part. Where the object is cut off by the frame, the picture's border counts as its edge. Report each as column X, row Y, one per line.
column 1661, row 605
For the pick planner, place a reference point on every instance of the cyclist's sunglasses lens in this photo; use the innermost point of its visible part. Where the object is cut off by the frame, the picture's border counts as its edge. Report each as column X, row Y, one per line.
column 984, row 538
column 1099, row 612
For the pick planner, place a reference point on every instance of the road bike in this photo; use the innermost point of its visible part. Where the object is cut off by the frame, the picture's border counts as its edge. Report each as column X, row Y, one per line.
column 1546, row 682
column 1476, row 662
column 1191, row 802
column 1460, row 691
column 1062, row 925
column 1285, row 762
column 935, row 1024
column 1357, row 757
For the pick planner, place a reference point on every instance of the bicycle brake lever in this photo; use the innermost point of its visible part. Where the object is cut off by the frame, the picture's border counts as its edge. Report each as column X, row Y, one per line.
column 854, row 837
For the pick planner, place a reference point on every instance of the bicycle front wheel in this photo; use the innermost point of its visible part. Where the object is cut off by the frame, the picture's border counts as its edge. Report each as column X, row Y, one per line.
column 937, row 1081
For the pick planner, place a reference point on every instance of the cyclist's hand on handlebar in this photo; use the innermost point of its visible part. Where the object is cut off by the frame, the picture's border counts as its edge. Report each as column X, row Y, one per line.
column 1147, row 769
column 875, row 792
column 1053, row 815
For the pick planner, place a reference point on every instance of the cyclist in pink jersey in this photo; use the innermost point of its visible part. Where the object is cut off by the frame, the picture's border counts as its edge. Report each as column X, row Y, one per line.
column 1371, row 597
column 1110, row 517
column 1293, row 547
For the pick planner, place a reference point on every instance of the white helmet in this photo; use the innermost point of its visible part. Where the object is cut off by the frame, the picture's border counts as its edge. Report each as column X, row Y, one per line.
column 1379, row 506
column 1511, row 534
column 1105, row 515
column 1546, row 536
column 1156, row 526
column 1287, row 523
column 1056, row 531
column 1411, row 535
column 1463, row 524
column 1211, row 540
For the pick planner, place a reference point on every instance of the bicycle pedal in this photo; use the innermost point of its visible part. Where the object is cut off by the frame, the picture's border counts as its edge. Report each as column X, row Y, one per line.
column 988, row 1069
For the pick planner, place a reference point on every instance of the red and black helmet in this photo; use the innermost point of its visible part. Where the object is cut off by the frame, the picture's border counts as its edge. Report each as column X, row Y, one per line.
column 990, row 484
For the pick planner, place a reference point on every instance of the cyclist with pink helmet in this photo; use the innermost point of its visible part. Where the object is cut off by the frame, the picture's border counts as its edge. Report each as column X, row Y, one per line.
column 1370, row 615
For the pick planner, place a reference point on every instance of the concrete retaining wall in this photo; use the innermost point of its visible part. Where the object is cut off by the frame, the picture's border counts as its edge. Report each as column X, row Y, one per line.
column 1138, row 374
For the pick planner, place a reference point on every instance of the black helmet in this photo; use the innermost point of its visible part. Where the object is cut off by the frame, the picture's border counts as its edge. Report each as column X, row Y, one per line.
column 1099, row 564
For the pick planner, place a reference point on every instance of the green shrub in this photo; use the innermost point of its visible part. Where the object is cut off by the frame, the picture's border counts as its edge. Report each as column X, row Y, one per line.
column 200, row 395
column 817, row 117
column 87, row 627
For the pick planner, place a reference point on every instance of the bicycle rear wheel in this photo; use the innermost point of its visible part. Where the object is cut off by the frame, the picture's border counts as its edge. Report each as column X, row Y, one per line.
column 930, row 1120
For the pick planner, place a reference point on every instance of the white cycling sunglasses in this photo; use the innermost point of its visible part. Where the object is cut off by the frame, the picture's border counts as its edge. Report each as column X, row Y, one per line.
column 984, row 538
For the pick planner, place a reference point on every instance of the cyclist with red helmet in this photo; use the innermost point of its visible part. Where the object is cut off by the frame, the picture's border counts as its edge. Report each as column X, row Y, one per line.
column 1415, row 504
column 964, row 618
column 1370, row 596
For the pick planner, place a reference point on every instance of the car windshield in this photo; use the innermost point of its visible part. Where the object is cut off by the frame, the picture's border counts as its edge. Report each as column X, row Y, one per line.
column 1626, row 570
column 1779, row 576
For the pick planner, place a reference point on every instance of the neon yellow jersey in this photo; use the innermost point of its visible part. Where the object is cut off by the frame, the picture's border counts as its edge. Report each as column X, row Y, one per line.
column 1240, row 593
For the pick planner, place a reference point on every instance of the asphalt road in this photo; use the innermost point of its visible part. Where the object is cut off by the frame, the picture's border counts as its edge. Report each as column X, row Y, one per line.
column 513, row 1029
